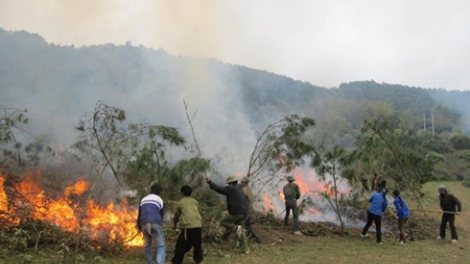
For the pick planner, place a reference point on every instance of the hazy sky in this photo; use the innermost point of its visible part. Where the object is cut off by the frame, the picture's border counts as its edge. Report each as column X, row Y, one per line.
column 422, row 43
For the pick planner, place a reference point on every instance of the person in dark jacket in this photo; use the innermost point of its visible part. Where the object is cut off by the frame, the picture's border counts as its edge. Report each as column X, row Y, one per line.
column 236, row 206
column 378, row 183
column 402, row 214
column 291, row 195
column 190, row 222
column 381, row 183
column 450, row 206
column 149, row 222
column 378, row 205
column 249, row 198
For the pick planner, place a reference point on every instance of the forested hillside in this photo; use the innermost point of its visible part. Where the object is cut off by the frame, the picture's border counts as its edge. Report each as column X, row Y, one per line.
column 58, row 84
column 93, row 127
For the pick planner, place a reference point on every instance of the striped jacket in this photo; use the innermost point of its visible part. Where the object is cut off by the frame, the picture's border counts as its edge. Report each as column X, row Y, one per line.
column 151, row 210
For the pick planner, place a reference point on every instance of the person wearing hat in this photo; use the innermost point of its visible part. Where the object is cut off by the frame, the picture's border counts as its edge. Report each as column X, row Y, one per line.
column 449, row 203
column 249, row 197
column 291, row 195
column 378, row 204
column 236, row 207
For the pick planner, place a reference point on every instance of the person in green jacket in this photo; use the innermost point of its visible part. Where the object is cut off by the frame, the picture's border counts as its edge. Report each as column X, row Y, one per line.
column 190, row 222
column 291, row 195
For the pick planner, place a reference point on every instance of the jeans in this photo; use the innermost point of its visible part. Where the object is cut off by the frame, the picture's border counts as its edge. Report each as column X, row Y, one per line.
column 378, row 222
column 451, row 219
column 159, row 240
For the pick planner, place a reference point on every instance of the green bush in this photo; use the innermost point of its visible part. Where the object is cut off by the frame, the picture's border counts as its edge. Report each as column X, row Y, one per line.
column 460, row 141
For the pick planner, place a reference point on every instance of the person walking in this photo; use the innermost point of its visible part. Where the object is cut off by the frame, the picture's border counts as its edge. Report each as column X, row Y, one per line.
column 236, row 207
column 450, row 207
column 190, row 222
column 149, row 222
column 402, row 214
column 378, row 205
column 291, row 193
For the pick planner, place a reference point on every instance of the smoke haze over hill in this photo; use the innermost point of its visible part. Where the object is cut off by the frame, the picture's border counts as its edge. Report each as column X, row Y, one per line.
column 228, row 104
column 418, row 43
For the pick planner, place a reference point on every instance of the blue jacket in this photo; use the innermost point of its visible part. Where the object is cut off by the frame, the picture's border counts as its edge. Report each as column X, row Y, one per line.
column 378, row 204
column 402, row 211
column 151, row 210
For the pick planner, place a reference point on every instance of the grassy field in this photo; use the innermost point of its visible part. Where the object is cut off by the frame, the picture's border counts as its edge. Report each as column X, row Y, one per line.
column 281, row 246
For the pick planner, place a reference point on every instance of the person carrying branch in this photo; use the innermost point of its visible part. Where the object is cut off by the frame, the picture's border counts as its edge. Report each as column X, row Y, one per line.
column 402, row 214
column 378, row 205
column 190, row 222
column 449, row 203
column 291, row 195
column 236, row 207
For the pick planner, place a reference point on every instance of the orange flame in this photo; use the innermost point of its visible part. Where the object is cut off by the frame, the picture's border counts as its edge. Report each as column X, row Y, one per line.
column 111, row 223
column 78, row 188
column 3, row 196
column 309, row 185
column 268, row 204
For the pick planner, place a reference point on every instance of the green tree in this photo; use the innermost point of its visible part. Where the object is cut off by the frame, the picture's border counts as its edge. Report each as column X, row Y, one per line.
column 334, row 167
column 109, row 141
column 400, row 154
column 12, row 121
column 150, row 165
column 460, row 141
column 279, row 148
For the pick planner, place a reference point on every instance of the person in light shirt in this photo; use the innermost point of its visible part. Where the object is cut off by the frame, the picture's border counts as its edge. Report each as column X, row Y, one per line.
column 149, row 222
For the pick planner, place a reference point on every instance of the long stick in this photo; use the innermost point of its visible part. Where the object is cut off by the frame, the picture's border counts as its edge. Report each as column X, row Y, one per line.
column 434, row 211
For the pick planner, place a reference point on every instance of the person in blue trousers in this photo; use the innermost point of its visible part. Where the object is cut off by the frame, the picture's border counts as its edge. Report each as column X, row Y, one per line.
column 149, row 222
